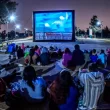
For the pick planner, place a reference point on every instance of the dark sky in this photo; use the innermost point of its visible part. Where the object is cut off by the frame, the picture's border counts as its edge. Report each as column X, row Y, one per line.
column 85, row 9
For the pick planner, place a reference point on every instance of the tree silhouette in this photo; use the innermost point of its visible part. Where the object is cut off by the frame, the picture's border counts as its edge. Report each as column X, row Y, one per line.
column 6, row 8
column 93, row 24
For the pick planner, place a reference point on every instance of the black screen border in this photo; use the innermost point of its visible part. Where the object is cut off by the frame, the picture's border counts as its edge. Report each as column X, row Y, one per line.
column 73, row 25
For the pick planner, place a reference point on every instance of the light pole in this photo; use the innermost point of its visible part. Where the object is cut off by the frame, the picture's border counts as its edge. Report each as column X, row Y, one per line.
column 10, row 19
column 101, row 26
column 17, row 26
column 26, row 31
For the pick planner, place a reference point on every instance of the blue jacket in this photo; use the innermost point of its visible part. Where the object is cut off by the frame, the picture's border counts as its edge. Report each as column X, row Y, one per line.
column 71, row 103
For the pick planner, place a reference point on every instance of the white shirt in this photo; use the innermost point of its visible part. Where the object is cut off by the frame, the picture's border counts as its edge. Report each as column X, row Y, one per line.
column 39, row 84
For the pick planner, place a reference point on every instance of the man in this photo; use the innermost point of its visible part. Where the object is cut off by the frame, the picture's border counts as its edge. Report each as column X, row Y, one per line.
column 78, row 56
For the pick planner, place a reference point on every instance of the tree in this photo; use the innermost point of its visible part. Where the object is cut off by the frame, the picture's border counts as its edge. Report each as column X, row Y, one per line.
column 106, row 32
column 7, row 7
column 93, row 24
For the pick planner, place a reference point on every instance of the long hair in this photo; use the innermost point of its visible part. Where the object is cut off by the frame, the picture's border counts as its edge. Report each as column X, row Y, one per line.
column 67, row 50
column 29, row 75
column 64, row 82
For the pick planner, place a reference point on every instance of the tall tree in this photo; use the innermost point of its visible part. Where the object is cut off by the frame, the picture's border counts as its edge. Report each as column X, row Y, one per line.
column 94, row 24
column 6, row 8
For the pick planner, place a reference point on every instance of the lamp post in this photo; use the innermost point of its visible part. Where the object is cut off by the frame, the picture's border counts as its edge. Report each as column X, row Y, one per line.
column 26, row 31
column 17, row 26
column 10, row 19
column 99, row 23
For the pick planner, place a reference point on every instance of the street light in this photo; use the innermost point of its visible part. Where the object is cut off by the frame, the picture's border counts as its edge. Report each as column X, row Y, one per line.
column 99, row 23
column 17, row 26
column 26, row 32
column 11, row 18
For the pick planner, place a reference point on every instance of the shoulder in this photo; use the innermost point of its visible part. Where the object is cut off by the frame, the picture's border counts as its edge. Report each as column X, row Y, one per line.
column 40, row 81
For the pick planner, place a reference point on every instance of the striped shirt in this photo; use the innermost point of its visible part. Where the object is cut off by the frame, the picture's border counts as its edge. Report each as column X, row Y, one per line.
column 93, row 83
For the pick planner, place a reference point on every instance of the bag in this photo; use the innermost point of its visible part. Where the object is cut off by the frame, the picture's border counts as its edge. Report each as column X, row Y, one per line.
column 2, row 88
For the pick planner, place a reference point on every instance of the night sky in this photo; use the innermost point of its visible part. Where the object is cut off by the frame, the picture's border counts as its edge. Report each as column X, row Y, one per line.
column 84, row 9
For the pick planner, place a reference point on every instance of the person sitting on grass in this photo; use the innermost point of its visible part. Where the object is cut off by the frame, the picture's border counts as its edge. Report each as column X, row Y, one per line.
column 30, row 89
column 93, row 83
column 63, row 93
column 94, row 56
column 67, row 56
column 78, row 56
column 45, row 56
column 37, row 50
column 20, row 53
column 102, row 57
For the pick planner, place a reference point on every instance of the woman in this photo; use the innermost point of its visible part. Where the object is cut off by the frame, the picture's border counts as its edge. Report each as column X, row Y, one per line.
column 67, row 56
column 63, row 92
column 37, row 50
column 31, row 88
column 36, row 56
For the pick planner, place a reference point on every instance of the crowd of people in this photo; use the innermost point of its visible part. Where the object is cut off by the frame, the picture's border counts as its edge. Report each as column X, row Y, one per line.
column 65, row 92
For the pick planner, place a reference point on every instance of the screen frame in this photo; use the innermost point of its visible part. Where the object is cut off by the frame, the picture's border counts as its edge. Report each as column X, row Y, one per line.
column 55, row 11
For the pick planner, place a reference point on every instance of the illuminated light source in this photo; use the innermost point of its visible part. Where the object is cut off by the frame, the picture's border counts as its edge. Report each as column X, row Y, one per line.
column 17, row 26
column 26, row 29
column 98, row 23
column 47, row 25
column 12, row 18
column 62, row 18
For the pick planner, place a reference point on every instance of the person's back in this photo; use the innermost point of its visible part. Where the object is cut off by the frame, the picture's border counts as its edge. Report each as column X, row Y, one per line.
column 28, row 93
column 23, row 46
column 20, row 53
column 66, row 58
column 71, row 102
column 78, row 56
column 94, row 56
column 93, row 83
column 45, row 58
column 63, row 92
column 32, row 88
column 102, row 57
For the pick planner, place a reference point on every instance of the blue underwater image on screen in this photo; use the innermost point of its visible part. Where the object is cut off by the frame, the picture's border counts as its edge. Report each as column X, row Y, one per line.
column 60, row 22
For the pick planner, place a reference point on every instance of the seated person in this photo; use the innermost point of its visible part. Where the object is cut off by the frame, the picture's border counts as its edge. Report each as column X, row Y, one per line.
column 20, row 53
column 93, row 83
column 94, row 56
column 67, row 56
column 63, row 92
column 30, row 88
column 44, row 50
column 37, row 50
column 44, row 57
column 23, row 46
column 27, row 50
column 86, row 55
column 78, row 56
column 102, row 57
column 29, row 59
column 60, row 53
